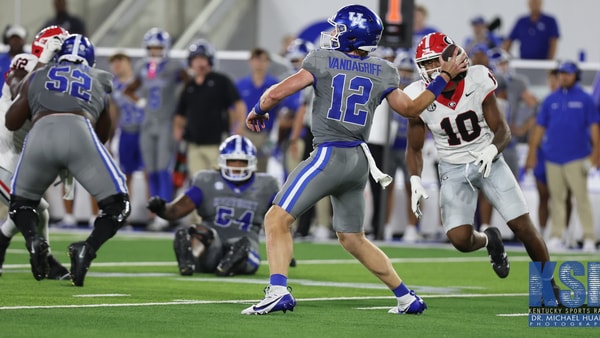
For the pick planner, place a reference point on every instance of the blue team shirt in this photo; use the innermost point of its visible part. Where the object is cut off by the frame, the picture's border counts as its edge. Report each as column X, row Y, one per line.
column 251, row 94
column 534, row 36
column 567, row 115
column 131, row 116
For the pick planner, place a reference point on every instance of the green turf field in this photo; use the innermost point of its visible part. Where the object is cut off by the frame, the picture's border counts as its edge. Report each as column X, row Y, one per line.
column 133, row 289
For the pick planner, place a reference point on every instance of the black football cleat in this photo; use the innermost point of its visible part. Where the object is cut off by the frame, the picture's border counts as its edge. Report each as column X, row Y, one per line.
column 38, row 257
column 57, row 271
column 81, row 254
column 238, row 252
column 495, row 249
column 183, row 252
column 4, row 242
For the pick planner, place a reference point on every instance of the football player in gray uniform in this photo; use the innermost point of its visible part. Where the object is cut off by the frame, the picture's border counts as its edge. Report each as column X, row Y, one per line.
column 67, row 103
column 232, row 203
column 349, row 84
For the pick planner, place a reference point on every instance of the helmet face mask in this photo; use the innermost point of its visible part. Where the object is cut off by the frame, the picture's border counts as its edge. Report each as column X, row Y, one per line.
column 237, row 148
column 428, row 51
column 354, row 27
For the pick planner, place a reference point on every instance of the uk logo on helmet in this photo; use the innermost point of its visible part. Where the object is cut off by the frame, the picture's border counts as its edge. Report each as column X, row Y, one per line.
column 357, row 20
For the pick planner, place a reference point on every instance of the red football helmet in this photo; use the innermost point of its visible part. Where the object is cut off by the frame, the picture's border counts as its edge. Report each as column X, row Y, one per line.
column 38, row 44
column 429, row 48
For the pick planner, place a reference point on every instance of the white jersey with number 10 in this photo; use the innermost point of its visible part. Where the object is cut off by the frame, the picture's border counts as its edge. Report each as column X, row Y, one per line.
column 457, row 122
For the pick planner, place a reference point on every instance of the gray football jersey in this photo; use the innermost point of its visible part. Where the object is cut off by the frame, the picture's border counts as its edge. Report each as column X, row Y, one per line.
column 68, row 87
column 234, row 211
column 159, row 90
column 347, row 90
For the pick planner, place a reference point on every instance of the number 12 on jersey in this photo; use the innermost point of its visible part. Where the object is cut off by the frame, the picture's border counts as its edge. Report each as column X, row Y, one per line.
column 346, row 100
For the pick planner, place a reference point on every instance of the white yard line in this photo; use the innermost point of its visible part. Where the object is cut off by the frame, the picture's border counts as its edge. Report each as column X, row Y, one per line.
column 245, row 301
column 419, row 260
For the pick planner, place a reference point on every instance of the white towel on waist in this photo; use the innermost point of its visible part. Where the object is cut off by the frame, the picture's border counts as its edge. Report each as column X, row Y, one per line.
column 380, row 177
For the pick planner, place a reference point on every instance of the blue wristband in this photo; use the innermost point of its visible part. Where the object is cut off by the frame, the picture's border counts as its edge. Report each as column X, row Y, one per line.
column 437, row 85
column 257, row 109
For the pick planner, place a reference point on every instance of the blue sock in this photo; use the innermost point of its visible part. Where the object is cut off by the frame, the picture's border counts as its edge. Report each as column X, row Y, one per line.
column 401, row 290
column 278, row 279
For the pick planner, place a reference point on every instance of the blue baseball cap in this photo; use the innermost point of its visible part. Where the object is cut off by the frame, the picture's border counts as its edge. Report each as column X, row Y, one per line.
column 478, row 20
column 568, row 67
column 479, row 48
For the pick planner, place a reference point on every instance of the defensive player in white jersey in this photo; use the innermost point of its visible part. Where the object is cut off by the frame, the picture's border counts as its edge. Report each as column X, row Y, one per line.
column 469, row 133
column 43, row 49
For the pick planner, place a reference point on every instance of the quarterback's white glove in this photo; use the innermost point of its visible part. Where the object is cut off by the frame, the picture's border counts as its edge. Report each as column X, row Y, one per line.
column 484, row 158
column 52, row 46
column 417, row 192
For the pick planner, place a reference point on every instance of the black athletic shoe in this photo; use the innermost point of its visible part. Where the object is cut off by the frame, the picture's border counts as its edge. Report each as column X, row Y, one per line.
column 38, row 257
column 496, row 252
column 81, row 254
column 238, row 252
column 57, row 270
column 4, row 242
column 293, row 263
column 183, row 252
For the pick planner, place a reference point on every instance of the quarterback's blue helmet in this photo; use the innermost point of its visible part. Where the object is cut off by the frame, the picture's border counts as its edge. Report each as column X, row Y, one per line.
column 237, row 147
column 354, row 27
column 203, row 48
column 77, row 49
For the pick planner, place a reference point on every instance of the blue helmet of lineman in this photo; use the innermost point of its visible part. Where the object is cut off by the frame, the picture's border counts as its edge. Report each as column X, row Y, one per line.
column 298, row 49
column 159, row 38
column 405, row 63
column 354, row 27
column 203, row 48
column 237, row 147
column 77, row 49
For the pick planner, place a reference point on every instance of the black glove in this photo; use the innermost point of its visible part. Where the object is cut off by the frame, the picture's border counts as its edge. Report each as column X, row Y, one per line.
column 157, row 205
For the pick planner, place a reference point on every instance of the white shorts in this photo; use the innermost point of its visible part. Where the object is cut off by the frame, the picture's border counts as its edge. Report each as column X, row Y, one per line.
column 460, row 185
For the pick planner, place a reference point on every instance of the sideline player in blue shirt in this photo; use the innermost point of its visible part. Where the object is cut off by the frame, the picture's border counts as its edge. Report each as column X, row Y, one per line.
column 569, row 120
